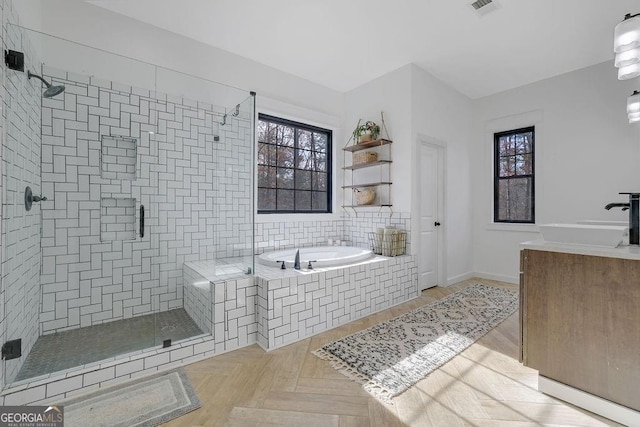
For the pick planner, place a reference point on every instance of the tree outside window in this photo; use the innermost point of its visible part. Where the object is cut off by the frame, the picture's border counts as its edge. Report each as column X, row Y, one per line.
column 294, row 167
column 514, row 189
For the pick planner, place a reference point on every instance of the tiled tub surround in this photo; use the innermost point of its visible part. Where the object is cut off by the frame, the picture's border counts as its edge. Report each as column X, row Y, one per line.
column 196, row 192
column 225, row 306
column 277, row 307
column 293, row 305
column 20, row 166
column 272, row 236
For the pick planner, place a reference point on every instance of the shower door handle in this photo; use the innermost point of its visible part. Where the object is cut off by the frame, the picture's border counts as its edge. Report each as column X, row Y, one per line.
column 141, row 221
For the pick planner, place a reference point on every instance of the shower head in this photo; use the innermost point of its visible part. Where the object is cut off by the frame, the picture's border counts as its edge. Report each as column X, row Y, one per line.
column 53, row 91
column 50, row 90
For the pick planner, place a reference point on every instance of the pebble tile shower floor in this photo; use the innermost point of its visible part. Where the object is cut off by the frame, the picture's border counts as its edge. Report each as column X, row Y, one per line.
column 64, row 350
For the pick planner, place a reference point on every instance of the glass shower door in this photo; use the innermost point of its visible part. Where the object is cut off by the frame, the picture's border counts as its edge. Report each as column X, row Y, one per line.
column 93, row 157
column 144, row 170
column 205, row 197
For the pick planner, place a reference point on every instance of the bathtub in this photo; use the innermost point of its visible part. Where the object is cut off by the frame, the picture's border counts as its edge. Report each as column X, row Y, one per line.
column 323, row 256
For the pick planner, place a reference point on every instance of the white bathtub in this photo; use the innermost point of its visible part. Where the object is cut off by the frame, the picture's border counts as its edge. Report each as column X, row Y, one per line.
column 323, row 256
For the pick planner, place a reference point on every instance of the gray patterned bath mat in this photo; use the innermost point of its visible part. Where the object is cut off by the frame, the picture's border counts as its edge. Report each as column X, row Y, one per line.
column 145, row 402
column 392, row 356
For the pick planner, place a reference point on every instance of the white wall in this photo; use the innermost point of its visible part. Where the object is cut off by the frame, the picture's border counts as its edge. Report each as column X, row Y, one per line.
column 441, row 114
column 391, row 94
column 29, row 12
column 586, row 152
column 418, row 106
column 94, row 26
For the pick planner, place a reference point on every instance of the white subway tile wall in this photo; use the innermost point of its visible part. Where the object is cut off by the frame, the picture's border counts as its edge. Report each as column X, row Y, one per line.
column 118, row 156
column 117, row 219
column 353, row 229
column 272, row 236
column 196, row 193
column 357, row 229
column 20, row 242
column 234, row 308
column 197, row 298
column 86, row 280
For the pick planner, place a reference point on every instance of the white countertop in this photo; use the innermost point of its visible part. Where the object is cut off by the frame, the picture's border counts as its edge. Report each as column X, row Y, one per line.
column 623, row 252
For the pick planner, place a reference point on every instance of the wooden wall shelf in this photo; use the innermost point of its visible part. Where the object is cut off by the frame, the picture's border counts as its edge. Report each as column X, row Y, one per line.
column 383, row 190
column 367, row 165
column 369, row 184
column 374, row 205
column 365, row 145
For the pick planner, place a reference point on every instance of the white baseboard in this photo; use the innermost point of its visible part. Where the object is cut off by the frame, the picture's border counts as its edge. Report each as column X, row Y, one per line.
column 459, row 278
column 497, row 277
column 590, row 402
column 470, row 275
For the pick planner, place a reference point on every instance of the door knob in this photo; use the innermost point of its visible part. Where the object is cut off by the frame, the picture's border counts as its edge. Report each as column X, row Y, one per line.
column 436, row 224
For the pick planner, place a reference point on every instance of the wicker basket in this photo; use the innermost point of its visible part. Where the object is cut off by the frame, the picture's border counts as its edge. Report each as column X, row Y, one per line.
column 365, row 196
column 389, row 245
column 364, row 157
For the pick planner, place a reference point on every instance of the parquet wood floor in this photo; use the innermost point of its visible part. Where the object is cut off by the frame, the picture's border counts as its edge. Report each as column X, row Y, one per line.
column 483, row 386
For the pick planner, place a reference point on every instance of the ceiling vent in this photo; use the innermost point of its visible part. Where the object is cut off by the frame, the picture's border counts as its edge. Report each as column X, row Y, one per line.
column 483, row 7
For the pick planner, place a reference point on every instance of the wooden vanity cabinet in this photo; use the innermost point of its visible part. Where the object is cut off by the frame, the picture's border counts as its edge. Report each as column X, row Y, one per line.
column 580, row 322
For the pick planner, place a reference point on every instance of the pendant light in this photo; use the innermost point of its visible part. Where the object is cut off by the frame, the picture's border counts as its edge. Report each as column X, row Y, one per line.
column 626, row 45
column 628, row 57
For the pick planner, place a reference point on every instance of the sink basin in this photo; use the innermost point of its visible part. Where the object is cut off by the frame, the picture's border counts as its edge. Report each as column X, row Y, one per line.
column 609, row 236
column 625, row 224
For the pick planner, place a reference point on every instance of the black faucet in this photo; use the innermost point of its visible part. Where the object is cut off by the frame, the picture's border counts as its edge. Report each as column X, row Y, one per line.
column 296, row 264
column 624, row 206
column 634, row 216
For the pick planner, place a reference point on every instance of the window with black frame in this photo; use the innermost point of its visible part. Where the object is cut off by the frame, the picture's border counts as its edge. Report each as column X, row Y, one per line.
column 294, row 167
column 514, row 189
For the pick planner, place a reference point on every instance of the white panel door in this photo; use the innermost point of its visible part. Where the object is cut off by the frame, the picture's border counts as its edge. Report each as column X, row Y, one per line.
column 431, row 195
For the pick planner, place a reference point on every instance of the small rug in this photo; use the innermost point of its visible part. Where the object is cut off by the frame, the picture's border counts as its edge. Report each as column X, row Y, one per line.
column 392, row 356
column 146, row 402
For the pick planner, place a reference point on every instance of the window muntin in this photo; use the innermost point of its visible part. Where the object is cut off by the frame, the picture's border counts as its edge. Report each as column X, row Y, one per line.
column 294, row 167
column 514, row 189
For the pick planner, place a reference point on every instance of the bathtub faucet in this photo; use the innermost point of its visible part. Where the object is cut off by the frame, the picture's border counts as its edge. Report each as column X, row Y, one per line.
column 296, row 264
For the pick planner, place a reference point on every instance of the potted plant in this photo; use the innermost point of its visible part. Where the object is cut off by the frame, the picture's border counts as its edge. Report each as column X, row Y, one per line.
column 367, row 131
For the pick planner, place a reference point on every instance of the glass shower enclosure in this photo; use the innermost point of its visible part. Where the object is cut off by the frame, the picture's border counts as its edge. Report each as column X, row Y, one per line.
column 134, row 170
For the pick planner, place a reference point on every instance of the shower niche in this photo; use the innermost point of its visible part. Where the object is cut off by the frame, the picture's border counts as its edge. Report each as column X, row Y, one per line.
column 118, row 164
column 117, row 219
